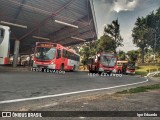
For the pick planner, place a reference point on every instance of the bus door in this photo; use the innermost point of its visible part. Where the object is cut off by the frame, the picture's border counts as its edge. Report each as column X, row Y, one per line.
column 4, row 44
column 64, row 59
column 119, row 67
column 124, row 68
column 58, row 61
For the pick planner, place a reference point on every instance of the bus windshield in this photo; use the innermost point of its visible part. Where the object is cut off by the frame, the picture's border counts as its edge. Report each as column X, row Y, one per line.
column 1, row 35
column 43, row 53
column 108, row 60
column 131, row 65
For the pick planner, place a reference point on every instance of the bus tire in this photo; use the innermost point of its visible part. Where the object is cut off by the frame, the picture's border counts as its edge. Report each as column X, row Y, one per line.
column 90, row 71
column 99, row 72
column 95, row 69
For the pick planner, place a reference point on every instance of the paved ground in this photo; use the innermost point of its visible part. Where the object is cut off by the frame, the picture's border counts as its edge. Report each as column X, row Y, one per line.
column 15, row 85
column 148, row 101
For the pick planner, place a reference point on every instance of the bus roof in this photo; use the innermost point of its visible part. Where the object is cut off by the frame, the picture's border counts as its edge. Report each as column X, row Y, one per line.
column 123, row 61
column 58, row 45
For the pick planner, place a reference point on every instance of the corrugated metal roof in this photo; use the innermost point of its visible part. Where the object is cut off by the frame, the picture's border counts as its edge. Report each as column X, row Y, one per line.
column 39, row 17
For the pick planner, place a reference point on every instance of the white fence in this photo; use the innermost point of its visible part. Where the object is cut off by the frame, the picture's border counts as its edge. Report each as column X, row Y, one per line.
column 151, row 74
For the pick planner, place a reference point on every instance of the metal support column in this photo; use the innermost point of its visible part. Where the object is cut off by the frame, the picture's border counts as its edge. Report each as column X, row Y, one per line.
column 16, row 53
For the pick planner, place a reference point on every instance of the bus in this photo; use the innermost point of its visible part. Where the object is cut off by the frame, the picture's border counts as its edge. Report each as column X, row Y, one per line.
column 4, row 45
column 125, row 67
column 103, row 62
column 55, row 56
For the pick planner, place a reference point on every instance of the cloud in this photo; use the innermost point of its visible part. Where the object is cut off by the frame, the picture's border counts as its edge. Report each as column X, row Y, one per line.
column 124, row 5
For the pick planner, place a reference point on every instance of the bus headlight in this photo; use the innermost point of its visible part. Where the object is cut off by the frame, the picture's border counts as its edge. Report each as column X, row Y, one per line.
column 52, row 63
column 101, row 69
column 114, row 70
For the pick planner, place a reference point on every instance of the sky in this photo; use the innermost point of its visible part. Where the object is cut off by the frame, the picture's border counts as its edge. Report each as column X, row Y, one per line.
column 127, row 11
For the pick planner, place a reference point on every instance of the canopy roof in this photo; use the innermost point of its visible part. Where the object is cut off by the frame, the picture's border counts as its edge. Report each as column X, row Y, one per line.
column 39, row 17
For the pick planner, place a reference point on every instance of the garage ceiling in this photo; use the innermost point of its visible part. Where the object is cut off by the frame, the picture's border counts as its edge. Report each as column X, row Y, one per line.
column 39, row 16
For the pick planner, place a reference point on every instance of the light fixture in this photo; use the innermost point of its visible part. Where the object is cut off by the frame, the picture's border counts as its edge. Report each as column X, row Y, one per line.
column 42, row 38
column 67, row 24
column 13, row 24
column 78, row 38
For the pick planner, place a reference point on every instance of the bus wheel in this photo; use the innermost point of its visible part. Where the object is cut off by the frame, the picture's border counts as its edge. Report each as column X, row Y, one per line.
column 62, row 67
column 99, row 72
column 90, row 71
column 95, row 70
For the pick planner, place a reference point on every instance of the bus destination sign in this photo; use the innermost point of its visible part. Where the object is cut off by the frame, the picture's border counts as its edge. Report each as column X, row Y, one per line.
column 46, row 45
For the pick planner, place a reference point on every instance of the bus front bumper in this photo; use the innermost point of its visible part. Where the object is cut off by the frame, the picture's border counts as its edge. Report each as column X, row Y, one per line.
column 130, row 72
column 108, row 70
column 50, row 66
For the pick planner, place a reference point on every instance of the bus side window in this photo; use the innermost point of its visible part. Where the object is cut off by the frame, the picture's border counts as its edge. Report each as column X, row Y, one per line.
column 69, row 55
column 58, row 54
column 1, row 33
column 64, row 53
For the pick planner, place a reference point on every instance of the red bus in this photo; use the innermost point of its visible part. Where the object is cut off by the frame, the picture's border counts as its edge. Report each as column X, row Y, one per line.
column 125, row 67
column 4, row 44
column 55, row 56
column 103, row 62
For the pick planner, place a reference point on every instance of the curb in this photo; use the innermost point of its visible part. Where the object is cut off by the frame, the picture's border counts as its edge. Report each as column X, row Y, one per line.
column 10, row 69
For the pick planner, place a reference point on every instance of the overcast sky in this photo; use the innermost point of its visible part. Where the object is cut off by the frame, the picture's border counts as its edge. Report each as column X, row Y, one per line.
column 127, row 11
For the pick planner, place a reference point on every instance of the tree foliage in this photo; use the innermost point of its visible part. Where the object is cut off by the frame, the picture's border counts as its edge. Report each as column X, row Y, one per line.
column 113, row 31
column 106, row 44
column 140, row 35
column 122, row 55
column 153, row 23
column 133, row 55
column 146, row 33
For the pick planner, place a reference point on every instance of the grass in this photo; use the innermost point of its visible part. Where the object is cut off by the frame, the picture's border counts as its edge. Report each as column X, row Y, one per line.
column 140, row 89
column 143, row 70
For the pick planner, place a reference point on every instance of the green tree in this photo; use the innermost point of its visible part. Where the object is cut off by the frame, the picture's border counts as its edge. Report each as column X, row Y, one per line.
column 85, row 53
column 122, row 55
column 153, row 23
column 88, row 50
column 106, row 44
column 133, row 55
column 113, row 30
column 140, row 35
column 93, row 47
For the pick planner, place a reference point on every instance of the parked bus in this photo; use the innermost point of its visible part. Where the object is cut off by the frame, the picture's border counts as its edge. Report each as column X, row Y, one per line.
column 4, row 45
column 55, row 56
column 103, row 62
column 125, row 67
